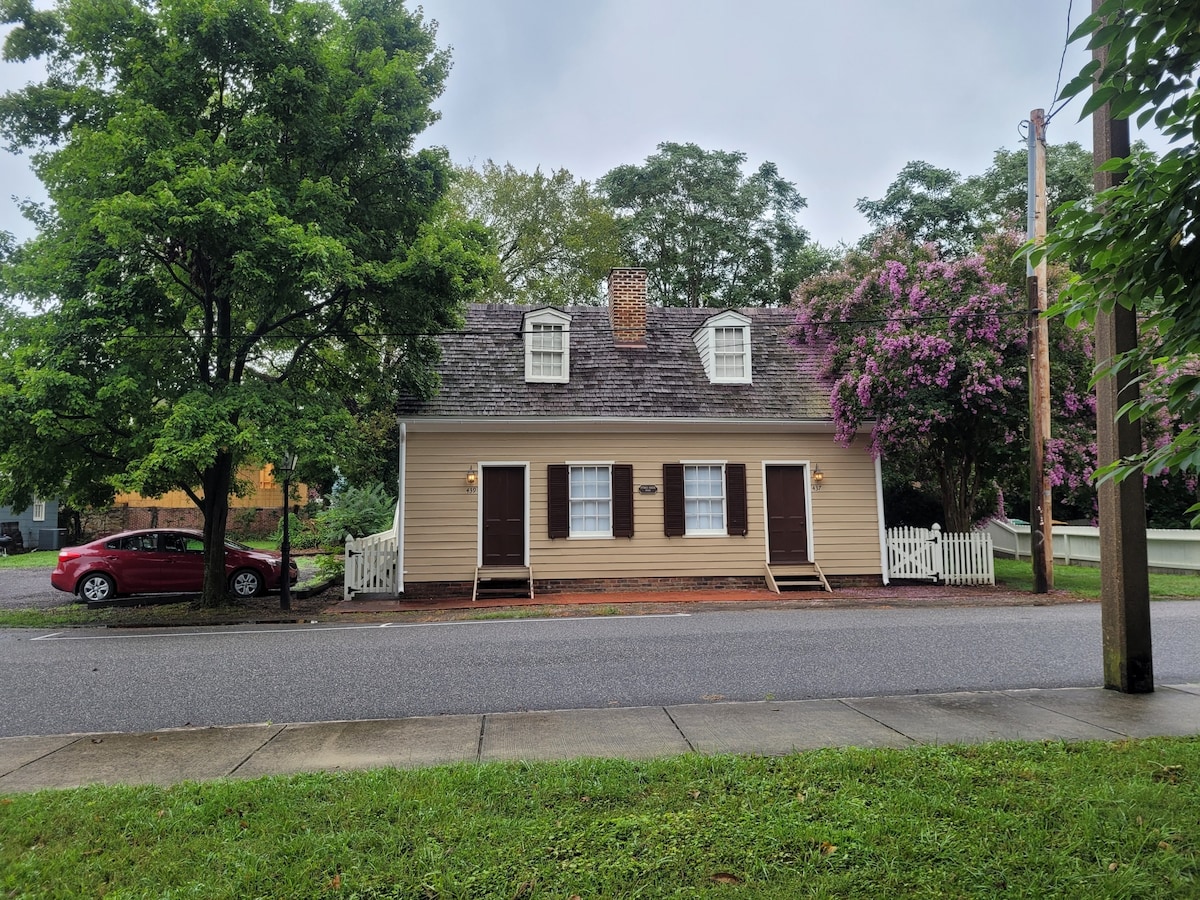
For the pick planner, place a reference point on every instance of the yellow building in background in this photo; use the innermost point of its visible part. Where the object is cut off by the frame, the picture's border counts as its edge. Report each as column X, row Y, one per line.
column 265, row 492
column 253, row 515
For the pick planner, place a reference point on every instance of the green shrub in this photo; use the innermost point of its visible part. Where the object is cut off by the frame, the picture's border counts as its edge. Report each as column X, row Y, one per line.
column 302, row 533
column 355, row 512
column 331, row 566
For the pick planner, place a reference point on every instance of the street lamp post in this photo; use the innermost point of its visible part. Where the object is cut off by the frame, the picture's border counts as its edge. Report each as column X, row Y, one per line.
column 286, row 468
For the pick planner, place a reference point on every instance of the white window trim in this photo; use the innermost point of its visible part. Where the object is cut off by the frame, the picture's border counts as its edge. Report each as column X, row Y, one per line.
column 705, row 339
column 39, row 510
column 706, row 532
column 589, row 535
column 550, row 317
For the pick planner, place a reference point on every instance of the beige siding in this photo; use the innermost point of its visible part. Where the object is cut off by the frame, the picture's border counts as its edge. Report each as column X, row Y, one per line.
column 442, row 512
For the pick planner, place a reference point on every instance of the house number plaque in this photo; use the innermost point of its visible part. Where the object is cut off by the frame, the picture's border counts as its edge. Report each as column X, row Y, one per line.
column 647, row 488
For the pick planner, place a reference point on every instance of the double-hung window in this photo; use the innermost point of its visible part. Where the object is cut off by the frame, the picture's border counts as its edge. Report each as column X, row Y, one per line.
column 547, row 349
column 39, row 510
column 547, row 346
column 591, row 501
column 729, row 353
column 704, row 499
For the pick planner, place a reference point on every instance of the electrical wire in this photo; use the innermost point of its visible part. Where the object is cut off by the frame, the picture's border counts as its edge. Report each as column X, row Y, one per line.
column 654, row 329
column 1058, row 81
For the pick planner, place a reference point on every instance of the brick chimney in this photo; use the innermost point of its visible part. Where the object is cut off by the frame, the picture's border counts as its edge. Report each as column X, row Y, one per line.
column 627, row 306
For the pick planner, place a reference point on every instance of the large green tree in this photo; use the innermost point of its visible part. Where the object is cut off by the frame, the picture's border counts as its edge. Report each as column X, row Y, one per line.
column 556, row 238
column 1139, row 246
column 940, row 206
column 239, row 235
column 1000, row 196
column 928, row 205
column 708, row 233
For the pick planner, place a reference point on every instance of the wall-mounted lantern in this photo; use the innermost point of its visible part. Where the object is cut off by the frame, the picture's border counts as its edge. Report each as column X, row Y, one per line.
column 817, row 477
column 472, row 476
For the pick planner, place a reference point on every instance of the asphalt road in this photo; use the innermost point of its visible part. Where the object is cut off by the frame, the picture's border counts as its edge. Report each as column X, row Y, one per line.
column 105, row 680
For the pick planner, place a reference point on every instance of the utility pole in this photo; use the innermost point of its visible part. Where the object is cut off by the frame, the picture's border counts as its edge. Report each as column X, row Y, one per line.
column 1124, row 576
column 1040, row 511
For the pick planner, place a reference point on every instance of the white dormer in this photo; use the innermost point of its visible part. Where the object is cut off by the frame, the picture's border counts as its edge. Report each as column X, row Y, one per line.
column 724, row 345
column 547, row 335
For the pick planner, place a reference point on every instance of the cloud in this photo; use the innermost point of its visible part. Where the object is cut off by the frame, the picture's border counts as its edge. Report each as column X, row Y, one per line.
column 840, row 95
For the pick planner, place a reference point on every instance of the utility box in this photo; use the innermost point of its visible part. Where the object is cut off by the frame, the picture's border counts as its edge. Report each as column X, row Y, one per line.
column 51, row 538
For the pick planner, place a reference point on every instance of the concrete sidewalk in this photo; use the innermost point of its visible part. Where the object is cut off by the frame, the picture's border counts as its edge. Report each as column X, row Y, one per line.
column 768, row 728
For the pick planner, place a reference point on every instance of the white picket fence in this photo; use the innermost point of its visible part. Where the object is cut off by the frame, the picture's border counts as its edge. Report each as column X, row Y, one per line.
column 373, row 564
column 927, row 553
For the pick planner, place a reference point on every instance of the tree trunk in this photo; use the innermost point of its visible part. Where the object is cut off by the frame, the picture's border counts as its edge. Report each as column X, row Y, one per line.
column 959, row 489
column 217, row 480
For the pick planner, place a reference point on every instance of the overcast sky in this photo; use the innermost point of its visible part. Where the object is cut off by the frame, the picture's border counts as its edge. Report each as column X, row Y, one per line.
column 839, row 94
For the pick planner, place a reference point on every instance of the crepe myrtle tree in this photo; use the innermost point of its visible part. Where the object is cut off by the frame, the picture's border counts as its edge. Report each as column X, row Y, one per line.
column 240, row 243
column 933, row 352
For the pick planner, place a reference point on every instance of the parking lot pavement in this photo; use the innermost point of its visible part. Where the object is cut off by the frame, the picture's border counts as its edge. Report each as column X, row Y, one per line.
column 29, row 588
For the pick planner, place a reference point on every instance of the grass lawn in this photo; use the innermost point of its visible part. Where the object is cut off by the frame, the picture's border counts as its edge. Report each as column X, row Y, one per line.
column 35, row 559
column 999, row 820
column 1085, row 581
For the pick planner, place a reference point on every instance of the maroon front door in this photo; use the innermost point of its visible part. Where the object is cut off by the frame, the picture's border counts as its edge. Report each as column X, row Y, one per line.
column 787, row 515
column 504, row 515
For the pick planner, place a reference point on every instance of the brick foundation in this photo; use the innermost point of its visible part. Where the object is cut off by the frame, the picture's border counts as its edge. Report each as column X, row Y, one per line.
column 649, row 585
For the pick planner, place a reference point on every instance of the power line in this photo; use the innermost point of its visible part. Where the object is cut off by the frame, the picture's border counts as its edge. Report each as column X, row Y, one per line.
column 1058, row 81
column 599, row 330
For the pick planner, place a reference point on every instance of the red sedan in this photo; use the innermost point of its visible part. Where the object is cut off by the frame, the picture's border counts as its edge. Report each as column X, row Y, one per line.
column 159, row 561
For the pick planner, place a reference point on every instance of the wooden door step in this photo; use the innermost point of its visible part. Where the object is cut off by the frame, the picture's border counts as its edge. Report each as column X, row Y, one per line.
column 798, row 577
column 503, row 581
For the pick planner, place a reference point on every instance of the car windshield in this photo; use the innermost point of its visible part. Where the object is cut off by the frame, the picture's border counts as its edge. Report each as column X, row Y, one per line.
column 234, row 545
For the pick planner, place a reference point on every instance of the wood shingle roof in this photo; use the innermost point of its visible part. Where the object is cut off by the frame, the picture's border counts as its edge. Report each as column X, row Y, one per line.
column 483, row 371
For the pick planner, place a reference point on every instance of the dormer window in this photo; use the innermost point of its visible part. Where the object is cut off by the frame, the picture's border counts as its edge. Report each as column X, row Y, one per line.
column 724, row 345
column 547, row 346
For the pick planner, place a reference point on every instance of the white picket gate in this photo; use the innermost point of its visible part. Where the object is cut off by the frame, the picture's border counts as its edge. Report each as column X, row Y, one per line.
column 373, row 564
column 927, row 553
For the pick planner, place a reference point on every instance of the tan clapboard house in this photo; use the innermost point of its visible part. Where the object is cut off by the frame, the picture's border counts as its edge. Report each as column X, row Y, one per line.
column 631, row 448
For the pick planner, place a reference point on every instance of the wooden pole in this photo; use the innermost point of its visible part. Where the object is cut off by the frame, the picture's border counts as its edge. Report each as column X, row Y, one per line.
column 1124, row 575
column 1040, row 508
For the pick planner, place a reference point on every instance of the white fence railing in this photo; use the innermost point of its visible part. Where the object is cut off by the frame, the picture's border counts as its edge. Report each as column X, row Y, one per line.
column 373, row 564
column 1167, row 549
column 927, row 553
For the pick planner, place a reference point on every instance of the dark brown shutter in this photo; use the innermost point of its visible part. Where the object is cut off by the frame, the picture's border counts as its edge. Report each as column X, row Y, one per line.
column 737, row 518
column 558, row 501
column 674, row 522
column 622, row 500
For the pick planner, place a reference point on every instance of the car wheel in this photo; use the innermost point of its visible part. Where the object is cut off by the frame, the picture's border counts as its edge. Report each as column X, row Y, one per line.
column 97, row 587
column 246, row 583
